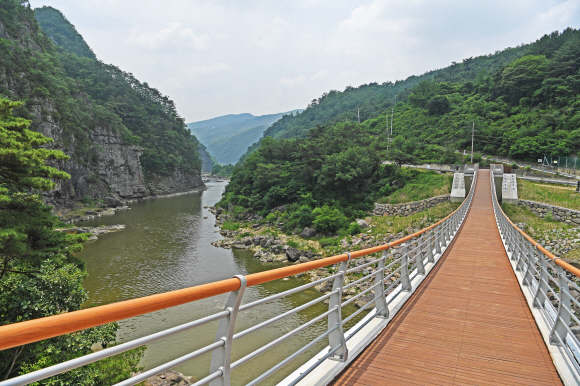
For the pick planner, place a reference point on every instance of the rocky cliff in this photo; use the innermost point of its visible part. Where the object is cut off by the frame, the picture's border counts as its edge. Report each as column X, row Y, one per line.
column 102, row 164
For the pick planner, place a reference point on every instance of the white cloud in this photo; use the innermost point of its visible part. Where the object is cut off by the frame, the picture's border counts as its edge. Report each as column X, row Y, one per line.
column 215, row 57
column 174, row 33
column 292, row 82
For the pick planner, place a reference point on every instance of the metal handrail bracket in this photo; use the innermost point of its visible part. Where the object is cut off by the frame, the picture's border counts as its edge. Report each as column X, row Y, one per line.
column 524, row 258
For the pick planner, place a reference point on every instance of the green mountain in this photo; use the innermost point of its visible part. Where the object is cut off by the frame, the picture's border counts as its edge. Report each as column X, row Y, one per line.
column 227, row 137
column 524, row 102
column 220, row 121
column 62, row 32
column 124, row 137
column 373, row 99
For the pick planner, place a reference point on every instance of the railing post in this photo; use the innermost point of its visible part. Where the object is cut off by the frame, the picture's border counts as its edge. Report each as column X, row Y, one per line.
column 523, row 256
column 430, row 242
column 405, row 280
column 542, row 290
column 437, row 238
column 563, row 317
column 449, row 230
column 532, row 259
column 381, row 301
column 518, row 248
column 335, row 318
column 221, row 357
column 420, row 256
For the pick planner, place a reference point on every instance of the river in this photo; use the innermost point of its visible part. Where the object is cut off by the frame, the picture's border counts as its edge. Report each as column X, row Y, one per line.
column 166, row 246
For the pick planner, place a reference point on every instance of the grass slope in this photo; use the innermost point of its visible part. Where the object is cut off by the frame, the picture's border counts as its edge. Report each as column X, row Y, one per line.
column 424, row 184
column 559, row 195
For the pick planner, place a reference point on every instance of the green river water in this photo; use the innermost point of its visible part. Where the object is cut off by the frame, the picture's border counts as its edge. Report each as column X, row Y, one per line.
column 166, row 246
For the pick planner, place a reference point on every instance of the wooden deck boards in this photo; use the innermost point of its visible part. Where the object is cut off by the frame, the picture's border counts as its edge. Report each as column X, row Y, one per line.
column 467, row 324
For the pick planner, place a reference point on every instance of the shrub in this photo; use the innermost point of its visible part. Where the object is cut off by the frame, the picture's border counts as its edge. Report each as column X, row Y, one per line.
column 329, row 241
column 549, row 216
column 271, row 217
column 87, row 200
column 231, row 226
column 304, row 216
column 328, row 220
column 354, row 229
column 293, row 244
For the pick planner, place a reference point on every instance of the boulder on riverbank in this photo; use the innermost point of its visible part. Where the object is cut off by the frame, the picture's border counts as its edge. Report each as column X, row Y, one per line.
column 169, row 378
column 308, row 232
column 95, row 232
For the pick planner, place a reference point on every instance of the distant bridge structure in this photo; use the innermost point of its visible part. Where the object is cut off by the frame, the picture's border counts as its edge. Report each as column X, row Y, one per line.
column 471, row 299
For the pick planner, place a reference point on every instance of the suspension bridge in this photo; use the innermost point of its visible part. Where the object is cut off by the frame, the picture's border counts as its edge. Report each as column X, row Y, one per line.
column 471, row 300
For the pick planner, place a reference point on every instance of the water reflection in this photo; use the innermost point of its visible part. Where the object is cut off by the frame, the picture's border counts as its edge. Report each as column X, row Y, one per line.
column 166, row 246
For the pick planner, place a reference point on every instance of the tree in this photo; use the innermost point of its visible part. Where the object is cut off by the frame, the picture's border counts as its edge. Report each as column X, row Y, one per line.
column 39, row 275
column 328, row 220
column 438, row 105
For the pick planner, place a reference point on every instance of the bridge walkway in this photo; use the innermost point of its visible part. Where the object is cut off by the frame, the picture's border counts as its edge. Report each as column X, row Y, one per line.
column 467, row 324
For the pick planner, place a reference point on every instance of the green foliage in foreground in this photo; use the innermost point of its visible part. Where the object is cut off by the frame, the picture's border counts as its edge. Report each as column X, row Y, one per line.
column 39, row 275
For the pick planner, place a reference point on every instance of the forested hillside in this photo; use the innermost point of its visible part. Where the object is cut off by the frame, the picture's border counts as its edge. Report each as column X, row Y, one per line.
column 372, row 100
column 228, row 137
column 524, row 108
column 150, row 117
column 124, row 137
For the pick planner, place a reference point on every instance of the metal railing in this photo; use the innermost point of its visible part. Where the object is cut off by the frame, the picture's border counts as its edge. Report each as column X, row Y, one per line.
column 387, row 276
column 552, row 283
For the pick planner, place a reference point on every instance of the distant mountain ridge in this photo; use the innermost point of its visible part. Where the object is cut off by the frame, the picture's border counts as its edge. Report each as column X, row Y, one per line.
column 228, row 137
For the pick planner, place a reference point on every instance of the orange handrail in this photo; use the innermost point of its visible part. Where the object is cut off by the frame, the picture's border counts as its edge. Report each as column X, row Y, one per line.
column 18, row 334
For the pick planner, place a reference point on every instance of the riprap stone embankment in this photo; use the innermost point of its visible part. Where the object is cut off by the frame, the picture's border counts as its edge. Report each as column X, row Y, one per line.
column 409, row 208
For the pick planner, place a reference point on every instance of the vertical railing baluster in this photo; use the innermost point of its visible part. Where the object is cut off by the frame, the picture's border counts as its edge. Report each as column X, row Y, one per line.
column 381, row 301
column 221, row 357
column 405, row 279
column 335, row 318
column 542, row 290
column 563, row 316
column 532, row 261
column 419, row 256
column 437, row 238
column 430, row 245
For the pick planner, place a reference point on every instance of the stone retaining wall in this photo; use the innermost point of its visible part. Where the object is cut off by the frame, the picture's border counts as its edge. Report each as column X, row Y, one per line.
column 560, row 214
column 408, row 208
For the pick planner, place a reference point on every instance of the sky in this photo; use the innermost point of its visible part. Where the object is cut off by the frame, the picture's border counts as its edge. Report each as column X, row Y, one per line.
column 223, row 57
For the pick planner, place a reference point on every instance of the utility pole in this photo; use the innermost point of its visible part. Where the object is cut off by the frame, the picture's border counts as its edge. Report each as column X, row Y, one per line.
column 388, row 133
column 392, row 115
column 358, row 112
column 472, row 135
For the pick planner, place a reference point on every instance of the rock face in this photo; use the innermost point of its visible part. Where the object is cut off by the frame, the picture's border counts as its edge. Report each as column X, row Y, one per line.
column 293, row 254
column 362, row 223
column 168, row 378
column 308, row 232
column 568, row 216
column 408, row 208
column 106, row 166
